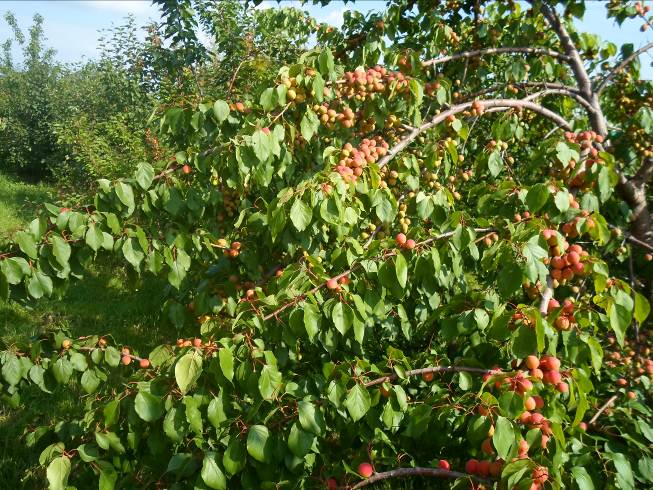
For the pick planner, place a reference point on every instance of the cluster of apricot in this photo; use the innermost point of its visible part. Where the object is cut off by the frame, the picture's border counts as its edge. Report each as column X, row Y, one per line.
column 353, row 160
column 127, row 357
column 566, row 261
column 335, row 284
column 570, row 229
column 403, row 242
column 484, row 468
column 328, row 115
column 294, row 93
column 634, row 358
column 239, row 107
column 490, row 238
column 364, row 84
column 230, row 250
column 565, row 319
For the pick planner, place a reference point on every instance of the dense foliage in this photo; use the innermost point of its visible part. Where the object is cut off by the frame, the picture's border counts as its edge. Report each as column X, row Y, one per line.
column 421, row 249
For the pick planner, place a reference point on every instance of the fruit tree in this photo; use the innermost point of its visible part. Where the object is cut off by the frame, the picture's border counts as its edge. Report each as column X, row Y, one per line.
column 423, row 249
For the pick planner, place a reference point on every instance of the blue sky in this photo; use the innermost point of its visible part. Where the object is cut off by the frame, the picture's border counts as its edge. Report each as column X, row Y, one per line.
column 72, row 26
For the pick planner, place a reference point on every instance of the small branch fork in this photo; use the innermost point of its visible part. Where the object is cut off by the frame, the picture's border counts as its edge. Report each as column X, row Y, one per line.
column 437, row 369
column 408, row 472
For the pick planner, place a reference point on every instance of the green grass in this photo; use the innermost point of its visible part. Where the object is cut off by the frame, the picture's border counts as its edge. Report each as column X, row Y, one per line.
column 18, row 203
column 98, row 304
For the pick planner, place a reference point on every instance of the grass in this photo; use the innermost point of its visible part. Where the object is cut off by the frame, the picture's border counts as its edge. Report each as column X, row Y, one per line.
column 99, row 304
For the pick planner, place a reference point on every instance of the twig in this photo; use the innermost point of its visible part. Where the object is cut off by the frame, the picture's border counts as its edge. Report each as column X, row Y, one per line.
column 602, row 409
column 437, row 369
column 408, row 472
column 602, row 84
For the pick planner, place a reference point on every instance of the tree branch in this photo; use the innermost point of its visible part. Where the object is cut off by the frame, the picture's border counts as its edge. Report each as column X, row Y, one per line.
column 486, row 104
column 483, row 52
column 437, row 369
column 546, row 296
column 562, row 91
column 408, row 472
column 629, row 59
column 602, row 409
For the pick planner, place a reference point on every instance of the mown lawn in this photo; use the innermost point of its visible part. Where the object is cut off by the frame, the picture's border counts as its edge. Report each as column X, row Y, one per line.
column 99, row 304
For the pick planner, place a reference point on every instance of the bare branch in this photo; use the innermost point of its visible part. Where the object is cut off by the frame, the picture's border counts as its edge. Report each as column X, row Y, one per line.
column 483, row 52
column 522, row 85
column 407, row 472
column 602, row 409
column 562, row 91
column 486, row 104
column 437, row 369
column 629, row 59
column 546, row 296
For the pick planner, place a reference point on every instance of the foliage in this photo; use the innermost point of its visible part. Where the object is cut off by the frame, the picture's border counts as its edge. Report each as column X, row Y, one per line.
column 409, row 265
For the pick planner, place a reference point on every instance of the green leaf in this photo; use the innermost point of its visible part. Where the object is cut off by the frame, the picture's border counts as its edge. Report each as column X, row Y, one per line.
column 94, row 237
column 15, row 268
column 268, row 99
column 109, row 440
column 211, row 473
column 342, row 316
column 62, row 370
column 58, row 472
column 620, row 319
column 61, row 250
column 226, row 359
column 401, row 269
column 88, row 452
column 144, row 175
column 132, row 252
column 39, row 285
column 309, row 124
column 495, row 163
column 27, row 244
column 582, row 478
column 234, row 458
column 509, row 279
column 565, row 154
column 300, row 441
column 503, row 436
column 12, row 371
column 125, row 193
column 300, row 214
column 269, row 382
column 220, row 110
column 326, row 62
column 624, row 470
column 311, row 320
column 562, row 200
column 642, row 308
column 257, row 443
column 311, row 418
column 537, row 197
column 90, row 381
column 358, row 402
column 261, row 144
column 188, row 370
column 148, row 406
column 112, row 356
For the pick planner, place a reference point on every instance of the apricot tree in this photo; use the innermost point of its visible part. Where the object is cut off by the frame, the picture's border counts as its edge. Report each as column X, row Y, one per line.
column 421, row 251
